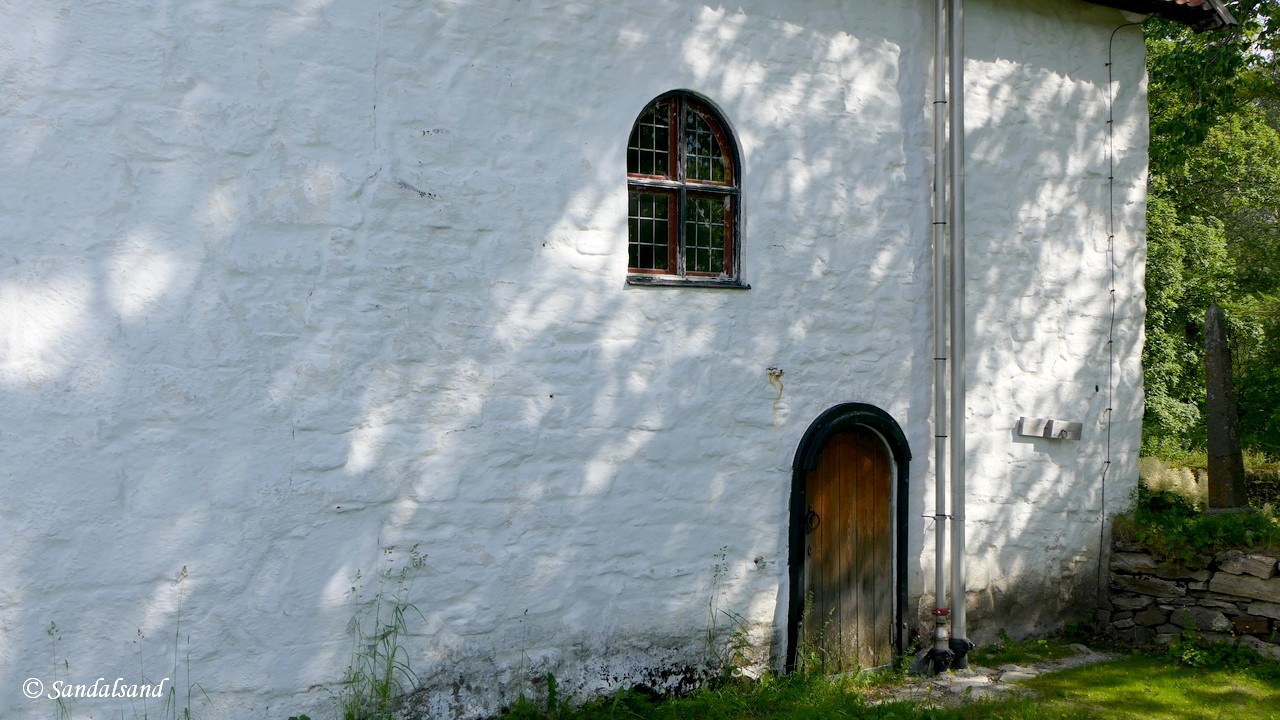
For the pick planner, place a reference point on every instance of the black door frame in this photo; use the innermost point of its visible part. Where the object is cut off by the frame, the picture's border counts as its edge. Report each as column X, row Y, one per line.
column 812, row 442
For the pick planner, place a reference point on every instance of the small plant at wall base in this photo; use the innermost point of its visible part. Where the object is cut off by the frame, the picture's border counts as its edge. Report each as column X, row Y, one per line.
column 554, row 708
column 64, row 713
column 175, row 707
column 739, row 650
column 1191, row 650
column 729, row 656
column 734, row 654
column 812, row 657
column 380, row 673
column 171, row 701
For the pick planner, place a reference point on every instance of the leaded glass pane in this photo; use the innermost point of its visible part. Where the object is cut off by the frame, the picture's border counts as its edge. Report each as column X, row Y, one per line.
column 704, row 159
column 704, row 234
column 648, row 231
column 649, row 150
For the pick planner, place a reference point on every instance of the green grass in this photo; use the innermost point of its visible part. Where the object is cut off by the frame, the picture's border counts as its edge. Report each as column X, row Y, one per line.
column 1153, row 688
column 1138, row 686
column 1186, row 472
column 1253, row 459
column 1175, row 529
column 1026, row 652
column 794, row 697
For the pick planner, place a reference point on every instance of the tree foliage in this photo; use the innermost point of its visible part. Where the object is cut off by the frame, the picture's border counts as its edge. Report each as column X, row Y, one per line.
column 1213, row 223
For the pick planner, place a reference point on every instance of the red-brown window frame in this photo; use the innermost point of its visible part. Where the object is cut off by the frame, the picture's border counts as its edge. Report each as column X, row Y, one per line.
column 680, row 188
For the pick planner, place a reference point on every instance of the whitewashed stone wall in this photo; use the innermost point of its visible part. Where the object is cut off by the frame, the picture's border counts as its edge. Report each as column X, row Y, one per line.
column 290, row 288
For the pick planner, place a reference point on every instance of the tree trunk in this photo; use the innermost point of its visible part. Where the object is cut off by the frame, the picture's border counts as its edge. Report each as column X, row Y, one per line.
column 1226, row 461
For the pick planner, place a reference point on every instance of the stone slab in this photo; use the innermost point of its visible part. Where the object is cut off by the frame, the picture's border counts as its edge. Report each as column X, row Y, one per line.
column 1151, row 617
column 1262, row 566
column 1131, row 602
column 1182, row 572
column 1228, row 607
column 1239, row 563
column 1132, row 563
column 1149, row 586
column 1228, row 559
column 1265, row 609
column 1261, row 647
column 1246, row 586
column 1200, row 619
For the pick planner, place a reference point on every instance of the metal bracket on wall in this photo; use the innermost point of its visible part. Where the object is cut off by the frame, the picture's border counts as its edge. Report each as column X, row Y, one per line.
column 1049, row 428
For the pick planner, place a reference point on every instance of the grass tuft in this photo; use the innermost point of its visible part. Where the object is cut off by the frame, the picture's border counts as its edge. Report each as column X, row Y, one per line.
column 380, row 673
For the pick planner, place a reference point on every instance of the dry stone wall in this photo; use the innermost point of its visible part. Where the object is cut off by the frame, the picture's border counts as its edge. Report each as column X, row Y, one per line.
column 1231, row 595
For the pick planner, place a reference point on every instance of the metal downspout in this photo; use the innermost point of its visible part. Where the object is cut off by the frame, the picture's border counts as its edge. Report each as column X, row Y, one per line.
column 960, row 644
column 940, row 654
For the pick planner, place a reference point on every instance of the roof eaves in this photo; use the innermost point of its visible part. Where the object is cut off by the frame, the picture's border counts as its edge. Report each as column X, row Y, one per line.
column 1200, row 15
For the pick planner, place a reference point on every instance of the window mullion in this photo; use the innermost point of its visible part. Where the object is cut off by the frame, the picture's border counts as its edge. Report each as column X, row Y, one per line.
column 678, row 154
column 677, row 139
column 677, row 247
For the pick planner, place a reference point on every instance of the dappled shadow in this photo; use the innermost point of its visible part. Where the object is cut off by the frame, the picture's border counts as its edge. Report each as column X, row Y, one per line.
column 1150, row 687
column 1051, row 332
column 289, row 292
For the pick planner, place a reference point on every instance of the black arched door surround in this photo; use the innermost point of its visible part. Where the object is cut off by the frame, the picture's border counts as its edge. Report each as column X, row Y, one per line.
column 845, row 428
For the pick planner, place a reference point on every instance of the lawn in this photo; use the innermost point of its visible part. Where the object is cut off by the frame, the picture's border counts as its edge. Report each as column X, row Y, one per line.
column 1142, row 686
column 1136, row 686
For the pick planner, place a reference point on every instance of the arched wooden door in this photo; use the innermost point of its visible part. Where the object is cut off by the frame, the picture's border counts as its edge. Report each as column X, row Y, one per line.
column 848, row 565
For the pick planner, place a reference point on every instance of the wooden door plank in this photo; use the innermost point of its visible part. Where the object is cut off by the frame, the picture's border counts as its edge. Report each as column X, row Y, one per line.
column 848, row 574
column 849, row 565
column 882, row 615
column 866, row 529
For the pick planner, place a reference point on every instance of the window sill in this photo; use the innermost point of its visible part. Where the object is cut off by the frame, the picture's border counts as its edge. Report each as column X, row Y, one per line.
column 675, row 281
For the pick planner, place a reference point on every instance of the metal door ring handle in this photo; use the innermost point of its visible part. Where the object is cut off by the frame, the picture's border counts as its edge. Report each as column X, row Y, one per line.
column 812, row 520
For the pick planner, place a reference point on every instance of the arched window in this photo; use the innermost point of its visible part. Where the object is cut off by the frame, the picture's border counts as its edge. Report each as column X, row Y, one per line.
column 683, row 190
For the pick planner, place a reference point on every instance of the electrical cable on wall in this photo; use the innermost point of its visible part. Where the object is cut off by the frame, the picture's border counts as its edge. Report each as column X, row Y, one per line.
column 1111, row 267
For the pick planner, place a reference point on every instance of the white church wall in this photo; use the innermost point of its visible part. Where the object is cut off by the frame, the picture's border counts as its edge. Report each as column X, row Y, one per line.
column 291, row 290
